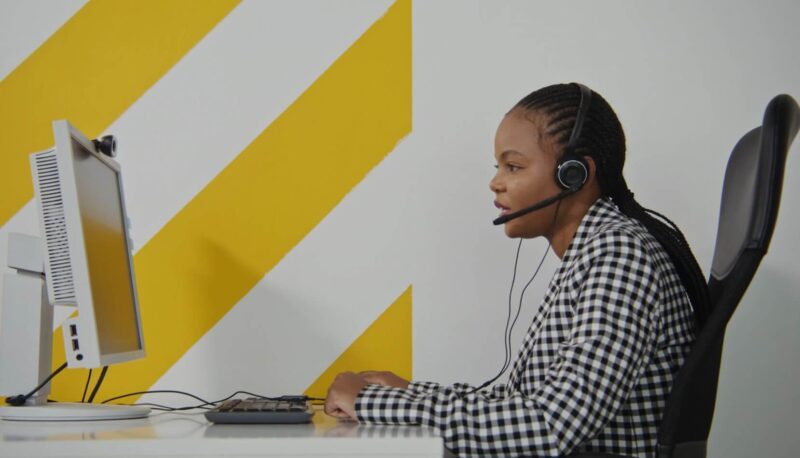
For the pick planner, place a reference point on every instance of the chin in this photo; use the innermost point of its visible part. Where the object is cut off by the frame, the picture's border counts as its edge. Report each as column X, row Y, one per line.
column 516, row 231
column 513, row 230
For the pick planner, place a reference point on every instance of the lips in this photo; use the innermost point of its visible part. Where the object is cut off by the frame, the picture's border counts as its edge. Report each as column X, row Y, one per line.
column 503, row 209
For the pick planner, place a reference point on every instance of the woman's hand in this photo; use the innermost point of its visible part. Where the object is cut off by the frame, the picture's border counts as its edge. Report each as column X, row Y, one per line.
column 385, row 378
column 341, row 399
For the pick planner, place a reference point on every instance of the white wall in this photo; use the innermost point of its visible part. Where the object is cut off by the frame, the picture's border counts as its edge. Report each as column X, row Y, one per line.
column 687, row 80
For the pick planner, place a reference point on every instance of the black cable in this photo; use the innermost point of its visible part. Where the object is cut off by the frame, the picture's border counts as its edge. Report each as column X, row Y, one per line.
column 269, row 398
column 20, row 399
column 205, row 404
column 163, row 392
column 86, row 387
column 167, row 408
column 507, row 361
column 99, row 382
column 506, row 340
column 522, row 295
column 508, row 333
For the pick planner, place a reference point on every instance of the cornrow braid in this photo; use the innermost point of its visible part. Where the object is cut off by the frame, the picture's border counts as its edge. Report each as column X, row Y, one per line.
column 603, row 139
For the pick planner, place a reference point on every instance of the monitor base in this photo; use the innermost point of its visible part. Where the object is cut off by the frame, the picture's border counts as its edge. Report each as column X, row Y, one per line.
column 67, row 411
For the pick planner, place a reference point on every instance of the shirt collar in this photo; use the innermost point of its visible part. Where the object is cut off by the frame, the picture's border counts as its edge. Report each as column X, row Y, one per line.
column 601, row 211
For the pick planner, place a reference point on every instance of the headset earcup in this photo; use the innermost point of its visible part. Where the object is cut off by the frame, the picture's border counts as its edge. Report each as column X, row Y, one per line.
column 571, row 172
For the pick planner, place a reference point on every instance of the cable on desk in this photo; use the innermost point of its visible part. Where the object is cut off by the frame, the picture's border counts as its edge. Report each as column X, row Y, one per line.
column 168, row 408
column 205, row 404
column 158, row 392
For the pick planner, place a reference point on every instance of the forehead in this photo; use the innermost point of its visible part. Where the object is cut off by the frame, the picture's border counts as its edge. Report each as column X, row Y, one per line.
column 520, row 133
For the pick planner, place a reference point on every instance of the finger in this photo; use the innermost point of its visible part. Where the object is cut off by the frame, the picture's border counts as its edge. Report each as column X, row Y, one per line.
column 335, row 411
column 330, row 404
column 340, row 414
column 351, row 414
column 332, row 407
column 372, row 378
column 380, row 378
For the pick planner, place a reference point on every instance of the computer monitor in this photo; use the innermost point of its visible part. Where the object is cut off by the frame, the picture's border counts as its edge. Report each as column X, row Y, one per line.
column 87, row 264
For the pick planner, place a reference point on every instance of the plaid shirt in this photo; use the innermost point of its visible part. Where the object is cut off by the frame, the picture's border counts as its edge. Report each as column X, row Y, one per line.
column 595, row 367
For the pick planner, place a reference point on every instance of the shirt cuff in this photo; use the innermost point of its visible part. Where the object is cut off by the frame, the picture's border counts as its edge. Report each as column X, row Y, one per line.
column 379, row 404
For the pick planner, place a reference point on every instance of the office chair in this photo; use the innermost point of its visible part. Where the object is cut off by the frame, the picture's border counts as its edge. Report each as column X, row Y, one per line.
column 751, row 194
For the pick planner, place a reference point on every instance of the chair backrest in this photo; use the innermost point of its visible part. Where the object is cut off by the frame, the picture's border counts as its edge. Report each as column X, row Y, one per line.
column 750, row 198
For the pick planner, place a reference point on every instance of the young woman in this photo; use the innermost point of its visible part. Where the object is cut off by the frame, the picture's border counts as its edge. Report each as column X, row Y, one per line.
column 616, row 323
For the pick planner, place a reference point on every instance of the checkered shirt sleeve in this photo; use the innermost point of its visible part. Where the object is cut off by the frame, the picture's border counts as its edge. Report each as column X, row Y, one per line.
column 610, row 293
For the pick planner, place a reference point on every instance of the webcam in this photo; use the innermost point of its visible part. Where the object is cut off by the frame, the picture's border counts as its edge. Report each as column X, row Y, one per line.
column 107, row 144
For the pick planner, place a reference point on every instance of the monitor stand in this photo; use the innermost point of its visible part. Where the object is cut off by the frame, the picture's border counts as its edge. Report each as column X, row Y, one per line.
column 26, row 343
column 68, row 411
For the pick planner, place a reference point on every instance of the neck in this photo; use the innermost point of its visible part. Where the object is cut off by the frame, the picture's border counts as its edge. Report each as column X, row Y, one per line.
column 566, row 223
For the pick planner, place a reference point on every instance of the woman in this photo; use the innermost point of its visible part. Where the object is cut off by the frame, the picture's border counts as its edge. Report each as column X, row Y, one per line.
column 616, row 323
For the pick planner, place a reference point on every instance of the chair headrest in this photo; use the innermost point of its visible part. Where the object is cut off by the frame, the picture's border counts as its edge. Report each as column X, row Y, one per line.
column 752, row 186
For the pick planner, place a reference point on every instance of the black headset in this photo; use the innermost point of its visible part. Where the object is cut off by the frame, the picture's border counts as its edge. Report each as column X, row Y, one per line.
column 571, row 170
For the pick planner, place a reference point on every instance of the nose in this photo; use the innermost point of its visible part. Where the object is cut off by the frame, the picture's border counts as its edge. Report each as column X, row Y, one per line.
column 495, row 185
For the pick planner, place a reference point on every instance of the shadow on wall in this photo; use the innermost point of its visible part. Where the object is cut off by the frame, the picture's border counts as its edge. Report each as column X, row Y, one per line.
column 758, row 400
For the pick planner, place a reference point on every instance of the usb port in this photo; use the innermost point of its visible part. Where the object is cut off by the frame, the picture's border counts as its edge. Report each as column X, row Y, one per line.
column 73, row 330
column 75, row 345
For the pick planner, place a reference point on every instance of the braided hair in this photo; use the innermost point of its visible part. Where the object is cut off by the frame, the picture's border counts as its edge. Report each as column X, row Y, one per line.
column 603, row 140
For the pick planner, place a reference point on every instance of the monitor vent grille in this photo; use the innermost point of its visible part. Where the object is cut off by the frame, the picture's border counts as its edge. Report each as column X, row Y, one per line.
column 55, row 229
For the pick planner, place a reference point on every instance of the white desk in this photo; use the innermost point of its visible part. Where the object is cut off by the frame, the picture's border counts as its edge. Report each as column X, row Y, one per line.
column 185, row 435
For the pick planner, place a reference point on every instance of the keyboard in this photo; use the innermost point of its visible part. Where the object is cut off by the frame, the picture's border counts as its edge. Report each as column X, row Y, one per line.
column 260, row 411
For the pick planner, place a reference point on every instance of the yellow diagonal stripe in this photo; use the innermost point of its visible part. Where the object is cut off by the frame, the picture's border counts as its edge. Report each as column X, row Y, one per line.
column 89, row 72
column 260, row 206
column 385, row 345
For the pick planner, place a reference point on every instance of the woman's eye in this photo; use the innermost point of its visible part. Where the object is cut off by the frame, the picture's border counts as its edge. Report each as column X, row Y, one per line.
column 512, row 167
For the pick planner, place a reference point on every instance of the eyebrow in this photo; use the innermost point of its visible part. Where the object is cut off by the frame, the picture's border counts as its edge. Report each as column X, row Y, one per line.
column 510, row 152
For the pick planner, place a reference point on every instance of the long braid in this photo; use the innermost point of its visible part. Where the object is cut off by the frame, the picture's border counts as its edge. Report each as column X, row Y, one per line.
column 603, row 139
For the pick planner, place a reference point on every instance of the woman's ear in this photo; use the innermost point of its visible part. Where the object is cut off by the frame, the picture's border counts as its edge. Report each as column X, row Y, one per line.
column 591, row 177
